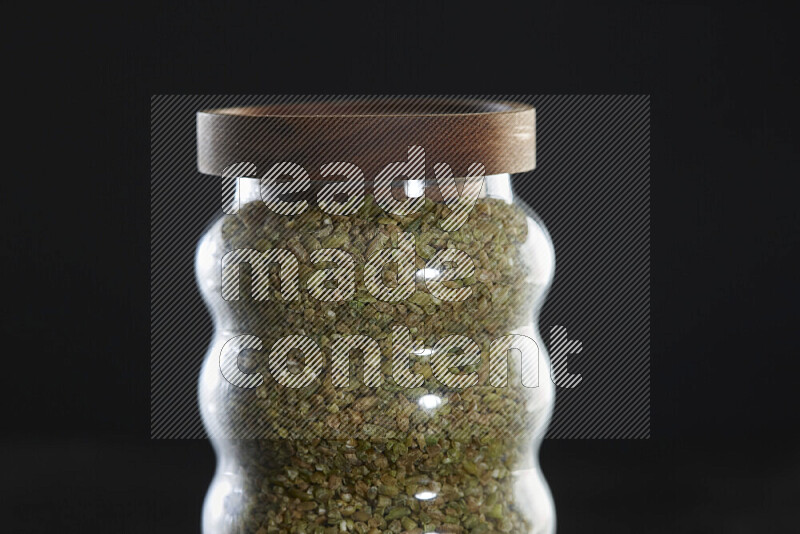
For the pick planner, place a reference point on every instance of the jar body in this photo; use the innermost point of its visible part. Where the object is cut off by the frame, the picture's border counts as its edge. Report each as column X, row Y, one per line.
column 429, row 444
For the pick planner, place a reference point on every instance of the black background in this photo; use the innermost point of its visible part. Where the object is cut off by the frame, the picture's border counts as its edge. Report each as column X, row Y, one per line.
column 76, row 453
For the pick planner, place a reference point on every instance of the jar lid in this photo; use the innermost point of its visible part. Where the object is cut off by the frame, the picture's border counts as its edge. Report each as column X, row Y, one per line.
column 371, row 133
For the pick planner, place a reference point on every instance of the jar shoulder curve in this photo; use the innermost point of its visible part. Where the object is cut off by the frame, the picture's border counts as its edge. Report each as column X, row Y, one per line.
column 208, row 257
column 537, row 250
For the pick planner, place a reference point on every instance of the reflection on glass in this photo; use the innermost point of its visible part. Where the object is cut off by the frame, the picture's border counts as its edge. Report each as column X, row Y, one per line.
column 428, row 273
column 414, row 188
column 430, row 402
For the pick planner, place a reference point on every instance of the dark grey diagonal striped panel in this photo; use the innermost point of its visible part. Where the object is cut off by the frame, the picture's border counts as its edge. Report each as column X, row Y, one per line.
column 591, row 188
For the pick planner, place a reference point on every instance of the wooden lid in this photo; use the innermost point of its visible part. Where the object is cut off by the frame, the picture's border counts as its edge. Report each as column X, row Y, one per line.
column 370, row 133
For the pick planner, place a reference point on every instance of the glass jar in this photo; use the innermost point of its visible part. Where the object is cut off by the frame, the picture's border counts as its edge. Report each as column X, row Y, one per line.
column 376, row 362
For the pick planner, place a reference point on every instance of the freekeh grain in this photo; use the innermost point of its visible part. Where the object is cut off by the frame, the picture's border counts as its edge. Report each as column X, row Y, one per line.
column 367, row 459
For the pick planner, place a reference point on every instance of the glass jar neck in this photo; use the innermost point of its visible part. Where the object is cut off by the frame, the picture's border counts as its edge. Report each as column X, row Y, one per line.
column 496, row 186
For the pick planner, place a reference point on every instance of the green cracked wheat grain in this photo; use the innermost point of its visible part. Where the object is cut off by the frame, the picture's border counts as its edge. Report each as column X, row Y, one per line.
column 353, row 459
